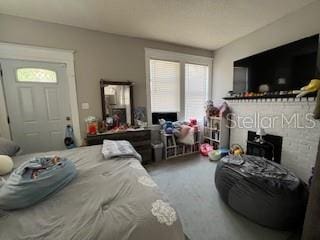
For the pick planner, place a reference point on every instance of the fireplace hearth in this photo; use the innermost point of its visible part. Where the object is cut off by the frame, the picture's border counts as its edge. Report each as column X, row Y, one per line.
column 270, row 148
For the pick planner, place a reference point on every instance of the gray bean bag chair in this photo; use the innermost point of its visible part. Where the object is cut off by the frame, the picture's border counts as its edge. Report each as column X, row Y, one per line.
column 261, row 190
column 35, row 180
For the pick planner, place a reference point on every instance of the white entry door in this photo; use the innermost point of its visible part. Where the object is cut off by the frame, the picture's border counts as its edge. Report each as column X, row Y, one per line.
column 37, row 100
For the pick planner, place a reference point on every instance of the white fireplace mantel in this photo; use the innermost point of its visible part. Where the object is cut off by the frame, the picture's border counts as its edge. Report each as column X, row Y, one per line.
column 300, row 141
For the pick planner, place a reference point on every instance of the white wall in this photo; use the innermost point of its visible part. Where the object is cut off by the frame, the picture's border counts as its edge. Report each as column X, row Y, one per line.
column 97, row 55
column 299, row 145
column 300, row 24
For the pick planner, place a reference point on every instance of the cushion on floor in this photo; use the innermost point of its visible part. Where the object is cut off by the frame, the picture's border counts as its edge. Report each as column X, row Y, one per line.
column 261, row 190
column 34, row 180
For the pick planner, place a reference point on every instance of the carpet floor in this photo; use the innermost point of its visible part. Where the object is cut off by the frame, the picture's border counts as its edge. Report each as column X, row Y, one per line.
column 188, row 182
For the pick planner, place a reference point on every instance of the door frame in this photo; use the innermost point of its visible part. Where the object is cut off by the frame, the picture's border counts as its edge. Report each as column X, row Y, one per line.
column 41, row 54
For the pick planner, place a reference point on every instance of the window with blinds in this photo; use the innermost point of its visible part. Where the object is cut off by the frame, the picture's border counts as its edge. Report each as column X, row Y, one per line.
column 196, row 90
column 164, row 86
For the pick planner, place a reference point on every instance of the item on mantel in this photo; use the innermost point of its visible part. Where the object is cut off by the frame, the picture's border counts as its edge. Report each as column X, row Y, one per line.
column 230, row 94
column 264, row 88
column 91, row 125
column 313, row 86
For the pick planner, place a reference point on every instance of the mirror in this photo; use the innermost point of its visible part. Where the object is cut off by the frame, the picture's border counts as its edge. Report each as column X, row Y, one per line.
column 117, row 101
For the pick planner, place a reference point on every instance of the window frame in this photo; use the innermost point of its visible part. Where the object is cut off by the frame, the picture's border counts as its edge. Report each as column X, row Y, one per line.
column 182, row 58
column 30, row 82
column 208, row 86
column 179, row 84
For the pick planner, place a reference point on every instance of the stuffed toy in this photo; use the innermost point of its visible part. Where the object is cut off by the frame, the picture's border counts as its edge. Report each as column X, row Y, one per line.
column 313, row 86
column 211, row 110
column 214, row 155
column 205, row 149
column 6, row 164
column 192, row 122
column 168, row 127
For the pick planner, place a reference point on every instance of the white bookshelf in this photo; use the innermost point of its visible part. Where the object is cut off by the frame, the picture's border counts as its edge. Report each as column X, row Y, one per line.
column 216, row 133
column 174, row 149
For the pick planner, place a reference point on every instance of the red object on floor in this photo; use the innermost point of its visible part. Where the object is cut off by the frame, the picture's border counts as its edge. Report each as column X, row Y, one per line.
column 205, row 149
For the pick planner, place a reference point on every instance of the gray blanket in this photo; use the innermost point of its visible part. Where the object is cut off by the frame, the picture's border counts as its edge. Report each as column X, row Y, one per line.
column 122, row 148
column 109, row 200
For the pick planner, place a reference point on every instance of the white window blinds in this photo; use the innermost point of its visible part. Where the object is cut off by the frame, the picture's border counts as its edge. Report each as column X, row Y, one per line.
column 165, row 86
column 196, row 90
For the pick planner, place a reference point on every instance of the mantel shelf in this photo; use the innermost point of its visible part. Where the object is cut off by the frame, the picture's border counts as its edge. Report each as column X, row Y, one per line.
column 284, row 96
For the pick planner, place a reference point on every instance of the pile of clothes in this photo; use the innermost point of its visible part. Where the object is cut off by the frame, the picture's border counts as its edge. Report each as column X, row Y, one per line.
column 184, row 131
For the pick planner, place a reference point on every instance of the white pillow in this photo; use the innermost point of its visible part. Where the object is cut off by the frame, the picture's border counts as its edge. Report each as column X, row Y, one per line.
column 6, row 164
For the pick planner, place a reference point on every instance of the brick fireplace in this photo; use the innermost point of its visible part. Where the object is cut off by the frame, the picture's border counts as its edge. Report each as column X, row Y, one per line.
column 289, row 118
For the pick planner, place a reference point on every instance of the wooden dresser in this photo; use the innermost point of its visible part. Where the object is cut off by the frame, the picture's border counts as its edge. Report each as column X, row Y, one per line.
column 140, row 140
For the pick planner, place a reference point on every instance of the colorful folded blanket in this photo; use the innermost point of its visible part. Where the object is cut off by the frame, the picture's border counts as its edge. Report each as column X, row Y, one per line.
column 34, row 180
column 113, row 149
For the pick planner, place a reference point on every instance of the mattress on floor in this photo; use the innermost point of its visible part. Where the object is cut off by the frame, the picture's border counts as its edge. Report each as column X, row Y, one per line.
column 109, row 199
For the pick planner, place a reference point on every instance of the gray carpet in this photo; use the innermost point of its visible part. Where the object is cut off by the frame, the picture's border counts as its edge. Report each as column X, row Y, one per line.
column 188, row 182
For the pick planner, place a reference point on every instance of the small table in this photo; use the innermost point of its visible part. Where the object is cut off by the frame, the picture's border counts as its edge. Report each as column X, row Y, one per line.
column 140, row 140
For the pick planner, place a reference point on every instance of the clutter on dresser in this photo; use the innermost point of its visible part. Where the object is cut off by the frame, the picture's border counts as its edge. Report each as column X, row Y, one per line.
column 140, row 117
column 91, row 125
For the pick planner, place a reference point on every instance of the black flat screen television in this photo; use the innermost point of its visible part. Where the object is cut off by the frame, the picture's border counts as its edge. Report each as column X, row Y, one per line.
column 285, row 68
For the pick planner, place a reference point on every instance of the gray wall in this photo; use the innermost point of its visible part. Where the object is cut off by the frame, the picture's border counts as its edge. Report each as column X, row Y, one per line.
column 98, row 55
column 305, row 22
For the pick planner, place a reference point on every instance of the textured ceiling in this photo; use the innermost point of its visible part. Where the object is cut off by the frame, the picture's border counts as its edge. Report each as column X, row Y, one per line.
column 207, row 24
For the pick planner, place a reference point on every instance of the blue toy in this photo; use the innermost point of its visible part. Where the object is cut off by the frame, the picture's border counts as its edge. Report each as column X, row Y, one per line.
column 168, row 127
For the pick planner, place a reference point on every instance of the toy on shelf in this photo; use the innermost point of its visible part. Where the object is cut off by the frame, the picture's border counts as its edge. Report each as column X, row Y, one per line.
column 211, row 110
column 168, row 127
column 216, row 126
